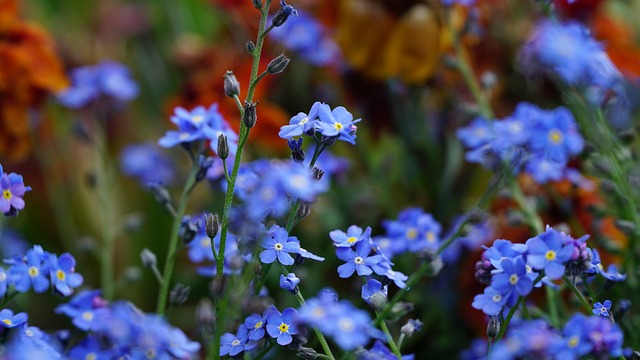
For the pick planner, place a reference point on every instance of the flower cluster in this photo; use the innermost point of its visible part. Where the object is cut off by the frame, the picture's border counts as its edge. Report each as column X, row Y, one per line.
column 199, row 124
column 336, row 124
column 541, row 141
column 13, row 189
column 146, row 163
column 109, row 79
column 24, row 341
column 349, row 326
column 120, row 329
column 306, row 36
column 512, row 270
column 39, row 269
column 267, row 186
column 280, row 326
column 363, row 256
column 413, row 231
column 580, row 336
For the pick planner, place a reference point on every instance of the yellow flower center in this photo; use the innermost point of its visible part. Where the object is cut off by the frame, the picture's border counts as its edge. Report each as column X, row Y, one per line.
column 318, row 312
column 197, row 119
column 550, row 255
column 91, row 356
column 205, row 242
column 151, row 354
column 33, row 271
column 235, row 342
column 346, row 324
column 258, row 325
column 61, row 275
column 496, row 298
column 338, row 126
column 7, row 321
column 358, row 260
column 351, row 239
column 411, row 233
column 7, row 194
column 431, row 237
column 303, row 121
column 283, row 327
column 28, row 332
column 513, row 279
column 278, row 246
column 87, row 315
column 183, row 136
column 573, row 341
column 555, row 136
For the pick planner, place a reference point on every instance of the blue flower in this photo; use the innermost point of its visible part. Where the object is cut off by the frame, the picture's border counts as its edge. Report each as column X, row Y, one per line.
column 90, row 347
column 3, row 282
column 256, row 324
column 490, row 302
column 108, row 78
column 301, row 123
column 278, row 245
column 235, row 344
column 503, row 249
column 556, row 135
column 605, row 337
column 13, row 189
column 337, row 123
column 477, row 134
column 289, row 282
column 146, row 163
column 31, row 270
column 575, row 338
column 373, row 292
column 353, row 236
column 9, row 320
column 358, row 260
column 601, row 309
column 547, row 251
column 86, row 310
column 282, row 326
column 63, row 275
column 379, row 351
column 513, row 278
column 180, row 346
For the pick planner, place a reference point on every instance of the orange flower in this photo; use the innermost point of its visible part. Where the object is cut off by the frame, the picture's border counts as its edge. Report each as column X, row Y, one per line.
column 29, row 70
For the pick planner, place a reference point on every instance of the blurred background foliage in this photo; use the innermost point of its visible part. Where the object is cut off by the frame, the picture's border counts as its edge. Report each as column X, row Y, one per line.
column 394, row 69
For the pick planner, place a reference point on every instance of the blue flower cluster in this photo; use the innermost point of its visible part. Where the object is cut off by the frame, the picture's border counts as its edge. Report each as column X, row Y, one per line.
column 120, row 330
column 23, row 341
column 39, row 269
column 147, row 163
column 347, row 325
column 199, row 124
column 581, row 335
column 510, row 269
column 306, row 36
column 267, row 187
column 280, row 326
column 413, row 231
column 336, row 124
column 363, row 256
column 109, row 79
column 13, row 189
column 541, row 141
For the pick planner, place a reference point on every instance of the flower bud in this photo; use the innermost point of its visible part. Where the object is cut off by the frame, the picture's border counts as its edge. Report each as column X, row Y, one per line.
column 179, row 295
column 223, row 147
column 250, row 46
column 231, row 85
column 303, row 210
column 493, row 328
column 257, row 4
column 411, row 326
column 159, row 192
column 204, row 164
column 290, row 283
column 297, row 154
column 250, row 117
column 317, row 173
column 278, row 64
column 188, row 229
column 148, row 258
column 283, row 14
column 211, row 225
column 205, row 314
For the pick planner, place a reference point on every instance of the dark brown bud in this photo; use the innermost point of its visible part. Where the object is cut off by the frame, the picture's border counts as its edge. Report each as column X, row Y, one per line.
column 231, row 85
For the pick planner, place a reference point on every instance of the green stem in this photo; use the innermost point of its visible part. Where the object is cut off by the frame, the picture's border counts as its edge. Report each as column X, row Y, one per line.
column 319, row 335
column 578, row 294
column 392, row 345
column 173, row 240
column 553, row 306
column 228, row 199
column 265, row 351
column 531, row 216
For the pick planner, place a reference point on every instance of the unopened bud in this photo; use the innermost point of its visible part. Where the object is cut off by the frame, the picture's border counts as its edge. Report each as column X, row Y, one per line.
column 204, row 164
column 317, row 173
column 303, row 210
column 306, row 353
column 205, row 314
column 378, row 301
column 159, row 192
column 223, row 147
column 283, row 14
column 211, row 225
column 132, row 274
column 179, row 294
column 278, row 64
column 493, row 328
column 250, row 117
column 250, row 47
column 257, row 4
column 231, row 85
column 411, row 326
column 188, row 229
column 148, row 258
column 400, row 309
